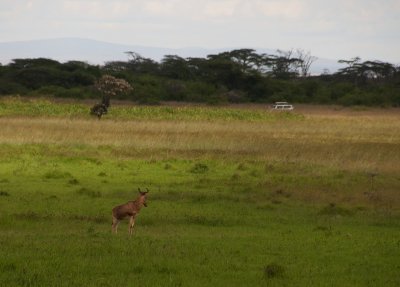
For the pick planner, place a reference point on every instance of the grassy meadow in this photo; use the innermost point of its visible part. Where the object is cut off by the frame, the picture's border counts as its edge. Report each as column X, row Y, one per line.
column 238, row 197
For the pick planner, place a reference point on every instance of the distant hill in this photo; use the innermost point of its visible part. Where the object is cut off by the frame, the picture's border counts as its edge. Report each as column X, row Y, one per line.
column 98, row 52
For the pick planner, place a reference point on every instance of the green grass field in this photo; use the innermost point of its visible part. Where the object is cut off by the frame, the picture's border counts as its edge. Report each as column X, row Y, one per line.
column 238, row 197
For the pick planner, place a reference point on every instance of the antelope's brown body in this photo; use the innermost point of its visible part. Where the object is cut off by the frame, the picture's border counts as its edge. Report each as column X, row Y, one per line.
column 130, row 209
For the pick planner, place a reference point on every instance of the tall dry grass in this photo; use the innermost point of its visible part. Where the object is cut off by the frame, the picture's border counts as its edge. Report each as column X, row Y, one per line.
column 368, row 143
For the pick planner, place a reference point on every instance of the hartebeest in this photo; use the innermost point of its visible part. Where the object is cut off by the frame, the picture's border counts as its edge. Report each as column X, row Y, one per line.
column 129, row 209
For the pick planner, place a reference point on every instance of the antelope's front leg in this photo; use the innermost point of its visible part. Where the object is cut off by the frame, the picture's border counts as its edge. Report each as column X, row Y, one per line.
column 115, row 222
column 131, row 224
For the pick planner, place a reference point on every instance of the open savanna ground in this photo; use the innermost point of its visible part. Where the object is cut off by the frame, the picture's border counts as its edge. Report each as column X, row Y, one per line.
column 238, row 196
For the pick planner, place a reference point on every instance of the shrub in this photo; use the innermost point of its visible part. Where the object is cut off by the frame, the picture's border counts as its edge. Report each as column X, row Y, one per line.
column 11, row 88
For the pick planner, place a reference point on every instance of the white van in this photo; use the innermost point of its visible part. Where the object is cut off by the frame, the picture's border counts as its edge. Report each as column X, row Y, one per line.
column 282, row 106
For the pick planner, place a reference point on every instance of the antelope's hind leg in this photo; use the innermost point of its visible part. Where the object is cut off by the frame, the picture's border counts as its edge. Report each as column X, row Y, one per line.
column 115, row 222
column 131, row 224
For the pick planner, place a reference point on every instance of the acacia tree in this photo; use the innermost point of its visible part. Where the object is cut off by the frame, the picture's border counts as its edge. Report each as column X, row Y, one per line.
column 361, row 72
column 306, row 60
column 109, row 87
column 175, row 67
column 247, row 59
column 285, row 65
column 139, row 64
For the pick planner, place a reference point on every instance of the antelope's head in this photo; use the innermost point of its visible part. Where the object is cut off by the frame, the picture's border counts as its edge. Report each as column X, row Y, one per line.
column 143, row 196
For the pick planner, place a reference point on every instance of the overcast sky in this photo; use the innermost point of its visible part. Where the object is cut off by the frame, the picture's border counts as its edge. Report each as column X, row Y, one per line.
column 337, row 29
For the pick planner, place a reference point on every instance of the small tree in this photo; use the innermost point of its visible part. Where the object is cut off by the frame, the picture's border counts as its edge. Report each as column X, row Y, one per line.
column 108, row 86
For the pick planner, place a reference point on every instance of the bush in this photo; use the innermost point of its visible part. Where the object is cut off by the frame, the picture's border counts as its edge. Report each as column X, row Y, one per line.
column 235, row 96
column 359, row 97
column 175, row 91
column 149, row 89
column 339, row 90
column 323, row 96
column 11, row 88
column 201, row 91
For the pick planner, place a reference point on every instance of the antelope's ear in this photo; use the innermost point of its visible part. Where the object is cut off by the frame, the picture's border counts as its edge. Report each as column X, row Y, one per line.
column 147, row 190
column 139, row 190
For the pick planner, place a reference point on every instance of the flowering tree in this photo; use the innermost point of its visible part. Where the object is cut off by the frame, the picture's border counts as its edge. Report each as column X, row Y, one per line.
column 108, row 86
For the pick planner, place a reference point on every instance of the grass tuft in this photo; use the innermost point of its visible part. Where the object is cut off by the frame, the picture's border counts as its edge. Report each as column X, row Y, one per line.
column 56, row 174
column 168, row 166
column 274, row 270
column 203, row 220
column 100, row 219
column 235, row 177
column 4, row 193
column 8, row 267
column 199, row 168
column 88, row 192
column 73, row 181
column 32, row 216
column 333, row 210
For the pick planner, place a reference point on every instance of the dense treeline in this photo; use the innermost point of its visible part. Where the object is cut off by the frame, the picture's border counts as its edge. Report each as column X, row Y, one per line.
column 235, row 76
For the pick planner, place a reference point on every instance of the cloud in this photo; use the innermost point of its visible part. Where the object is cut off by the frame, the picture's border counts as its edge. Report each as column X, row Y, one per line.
column 283, row 9
column 326, row 27
column 99, row 10
column 212, row 9
column 160, row 8
column 220, row 8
